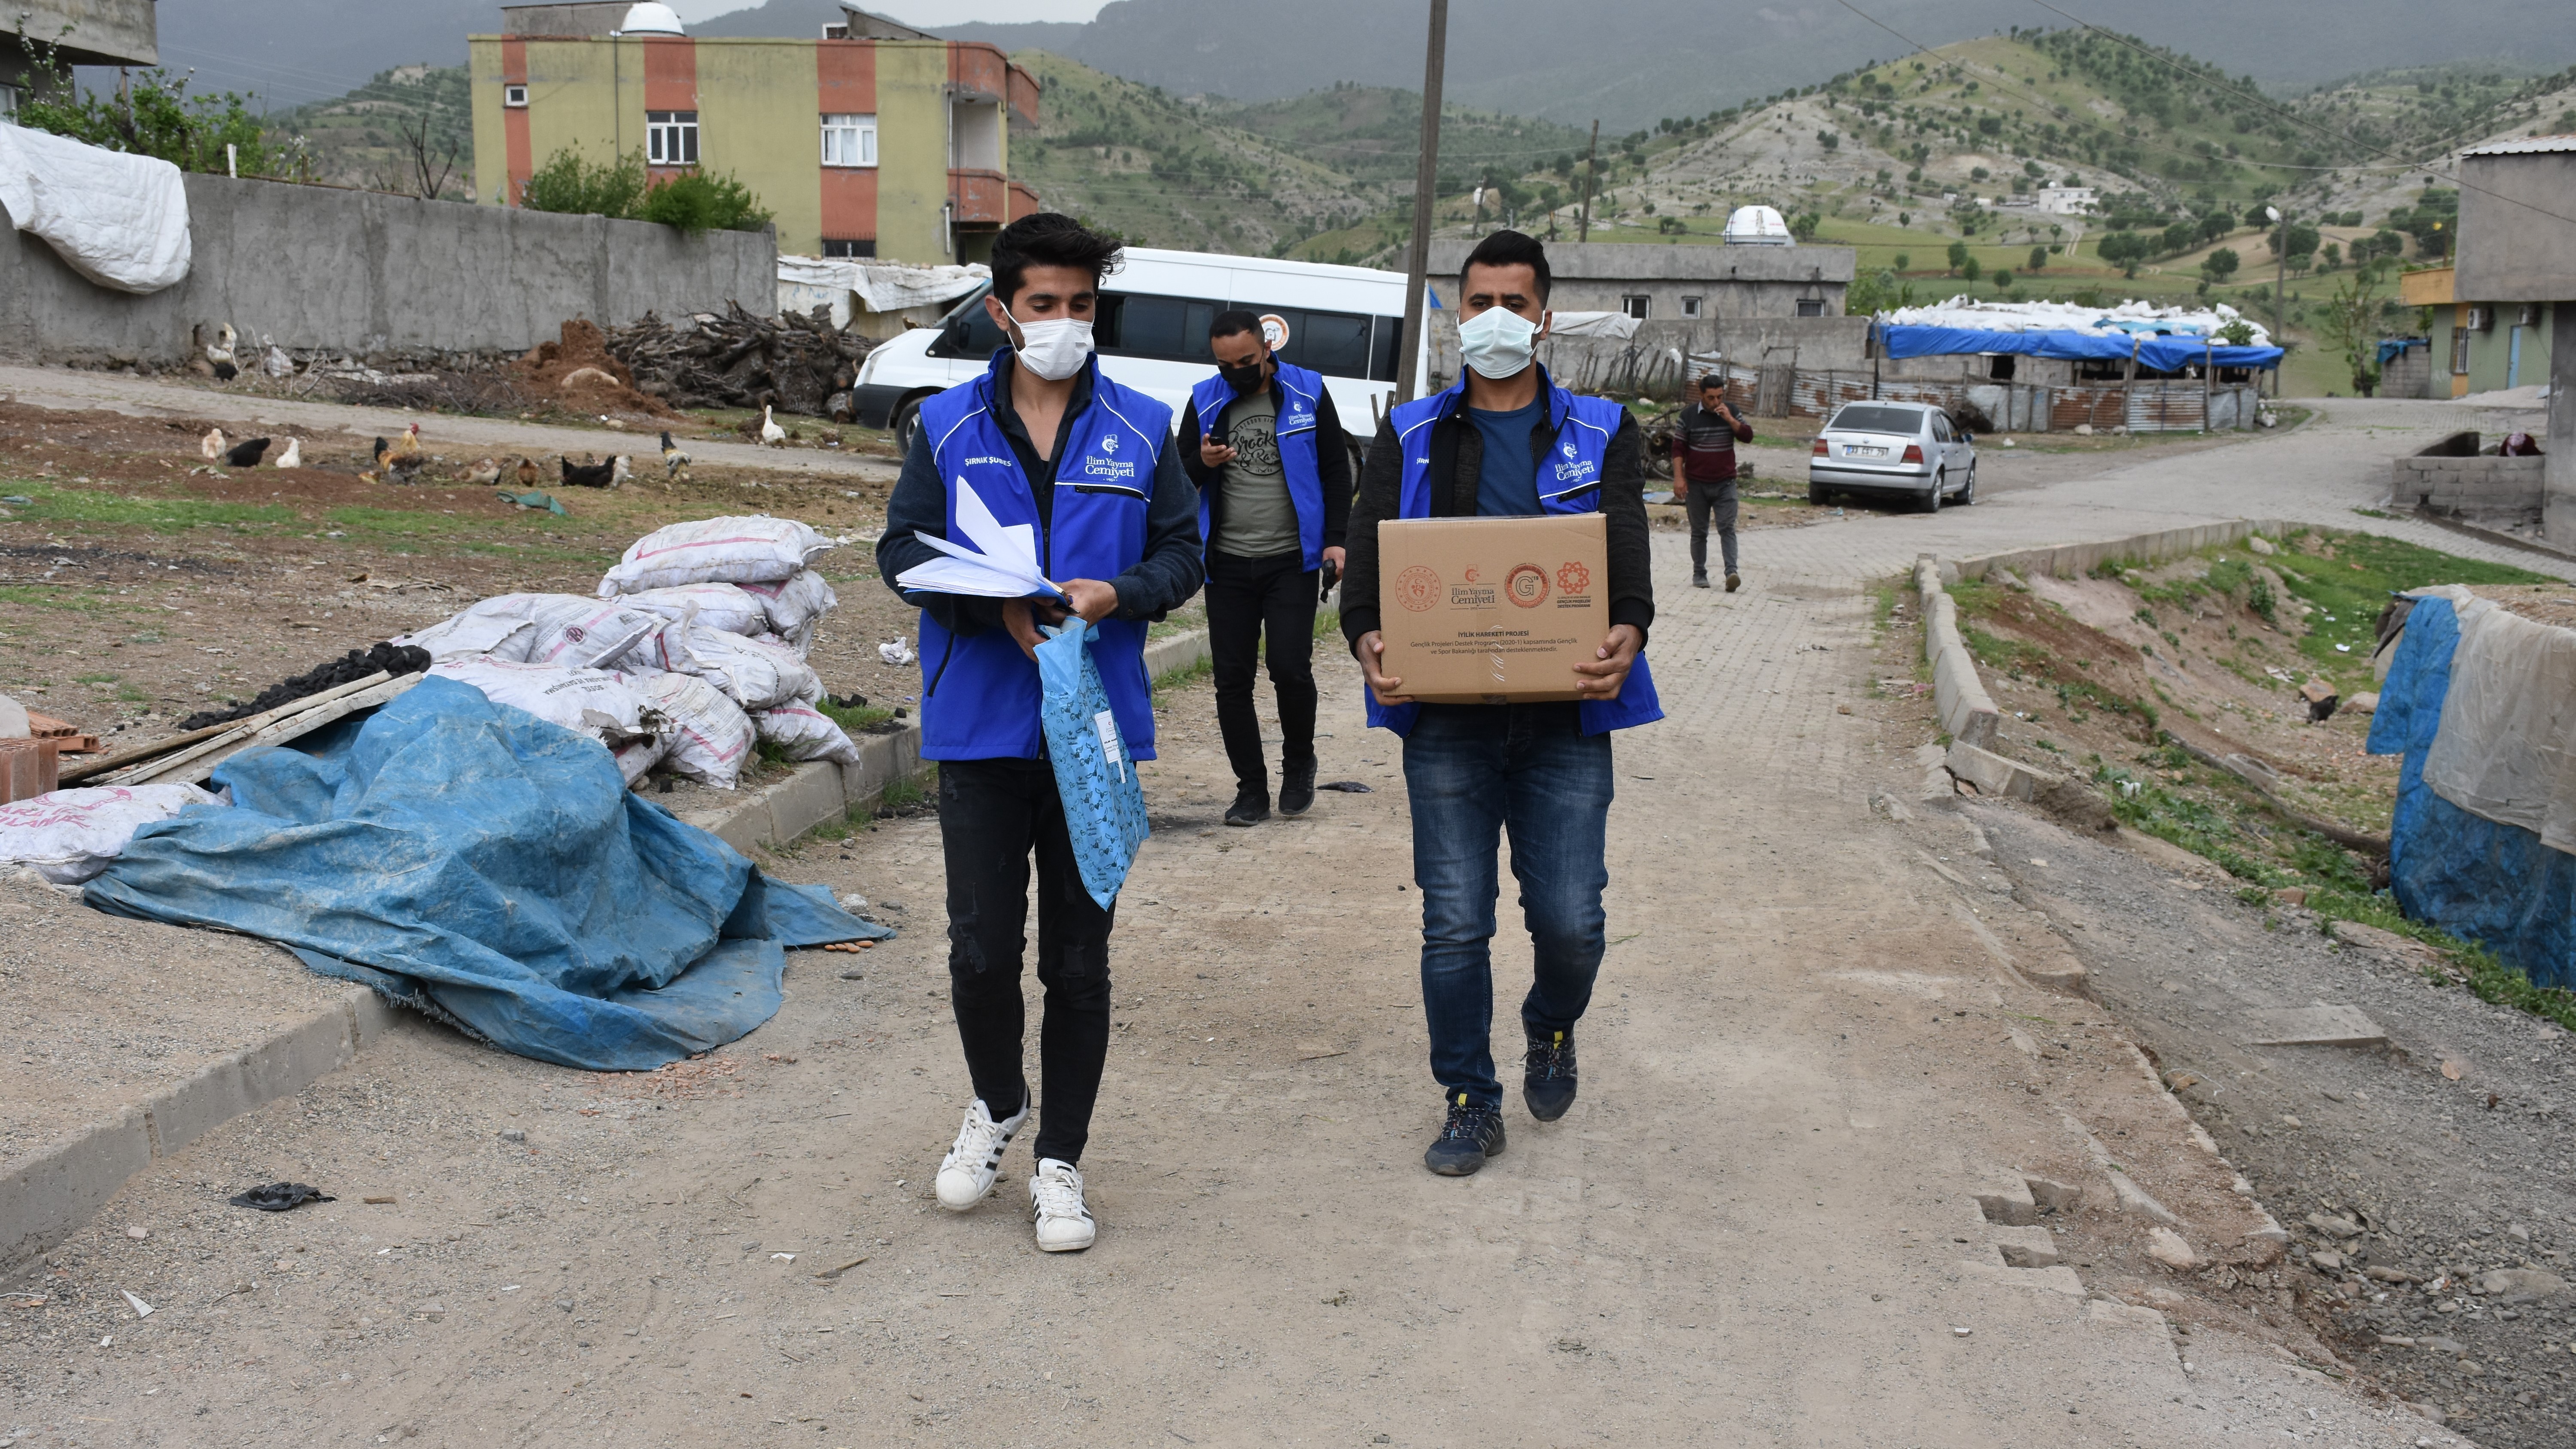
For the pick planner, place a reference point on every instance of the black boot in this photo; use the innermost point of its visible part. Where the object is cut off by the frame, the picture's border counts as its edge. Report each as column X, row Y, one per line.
column 1547, row 1075
column 1251, row 806
column 1297, row 789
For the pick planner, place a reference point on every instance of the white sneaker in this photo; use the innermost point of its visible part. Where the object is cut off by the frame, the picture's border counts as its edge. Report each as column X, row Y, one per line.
column 1055, row 1196
column 966, row 1174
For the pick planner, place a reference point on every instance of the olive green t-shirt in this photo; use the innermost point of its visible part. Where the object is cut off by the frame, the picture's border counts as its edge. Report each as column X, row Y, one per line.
column 1256, row 518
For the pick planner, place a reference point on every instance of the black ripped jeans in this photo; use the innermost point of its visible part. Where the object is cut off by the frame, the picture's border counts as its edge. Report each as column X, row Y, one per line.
column 992, row 814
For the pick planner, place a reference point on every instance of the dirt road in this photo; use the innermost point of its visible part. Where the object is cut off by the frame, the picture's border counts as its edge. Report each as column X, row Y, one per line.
column 1810, row 1052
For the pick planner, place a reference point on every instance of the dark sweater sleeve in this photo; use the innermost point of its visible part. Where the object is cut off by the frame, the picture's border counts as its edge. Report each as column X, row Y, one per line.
column 920, row 505
column 1333, row 468
column 1380, row 479
column 1623, row 512
column 1173, row 565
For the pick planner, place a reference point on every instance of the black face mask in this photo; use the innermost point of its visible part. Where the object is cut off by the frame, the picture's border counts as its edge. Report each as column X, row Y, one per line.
column 1246, row 378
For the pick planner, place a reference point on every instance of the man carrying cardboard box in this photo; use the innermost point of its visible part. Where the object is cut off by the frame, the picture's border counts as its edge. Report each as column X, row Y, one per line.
column 1506, row 442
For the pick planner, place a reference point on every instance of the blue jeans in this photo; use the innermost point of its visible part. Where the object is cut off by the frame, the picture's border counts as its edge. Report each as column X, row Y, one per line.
column 1472, row 772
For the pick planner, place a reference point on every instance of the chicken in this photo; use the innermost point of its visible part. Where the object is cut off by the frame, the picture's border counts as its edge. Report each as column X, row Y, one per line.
column 673, row 460
column 771, row 434
column 408, row 445
column 484, row 473
column 246, row 454
column 396, row 465
column 211, row 446
column 594, row 475
column 528, row 475
column 293, row 457
column 219, row 353
column 383, row 453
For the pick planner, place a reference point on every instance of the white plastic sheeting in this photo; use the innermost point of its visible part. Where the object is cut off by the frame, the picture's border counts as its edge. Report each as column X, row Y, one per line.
column 119, row 220
column 805, row 282
column 1591, row 324
column 2507, row 747
column 1968, row 314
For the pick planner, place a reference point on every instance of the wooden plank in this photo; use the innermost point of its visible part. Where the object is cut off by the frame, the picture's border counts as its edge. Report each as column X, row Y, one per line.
column 215, row 737
column 196, row 771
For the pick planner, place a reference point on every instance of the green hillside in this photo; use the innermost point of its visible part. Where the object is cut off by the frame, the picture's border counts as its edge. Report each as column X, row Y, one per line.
column 366, row 138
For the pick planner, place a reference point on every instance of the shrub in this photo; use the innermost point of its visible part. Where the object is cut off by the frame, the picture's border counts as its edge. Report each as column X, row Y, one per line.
column 698, row 202
column 567, row 183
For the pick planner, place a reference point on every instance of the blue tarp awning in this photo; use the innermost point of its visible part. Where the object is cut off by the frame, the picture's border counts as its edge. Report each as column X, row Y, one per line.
column 480, row 864
column 2163, row 353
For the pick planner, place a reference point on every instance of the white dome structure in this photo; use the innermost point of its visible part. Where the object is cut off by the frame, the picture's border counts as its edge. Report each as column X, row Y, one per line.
column 1756, row 226
column 650, row 18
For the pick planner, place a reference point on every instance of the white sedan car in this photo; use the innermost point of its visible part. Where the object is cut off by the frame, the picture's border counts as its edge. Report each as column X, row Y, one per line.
column 1892, row 449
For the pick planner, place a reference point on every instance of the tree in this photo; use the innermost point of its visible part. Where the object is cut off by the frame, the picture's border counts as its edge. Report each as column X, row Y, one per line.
column 2003, row 279
column 1903, row 261
column 1971, row 270
column 2219, row 265
column 2351, row 322
column 1804, row 225
column 2122, row 249
column 1959, row 258
column 154, row 117
column 2038, row 259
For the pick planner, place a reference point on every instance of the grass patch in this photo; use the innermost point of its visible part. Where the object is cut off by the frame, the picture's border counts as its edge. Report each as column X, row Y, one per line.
column 392, row 526
column 904, row 791
column 854, row 720
column 158, row 515
column 1170, row 680
column 64, row 599
column 1994, row 651
column 2346, row 578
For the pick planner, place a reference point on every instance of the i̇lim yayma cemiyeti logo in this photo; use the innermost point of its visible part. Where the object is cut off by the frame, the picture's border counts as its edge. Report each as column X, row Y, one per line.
column 1110, row 466
column 1573, row 469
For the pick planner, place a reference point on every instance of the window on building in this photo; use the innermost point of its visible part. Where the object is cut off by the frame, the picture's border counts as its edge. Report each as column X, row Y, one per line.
column 849, row 140
column 1811, row 307
column 671, row 138
column 1690, row 307
column 2460, row 351
column 8, row 102
column 1634, row 306
column 850, row 247
column 515, row 97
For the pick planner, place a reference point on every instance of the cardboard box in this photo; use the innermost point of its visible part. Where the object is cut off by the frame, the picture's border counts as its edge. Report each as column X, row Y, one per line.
column 1492, row 610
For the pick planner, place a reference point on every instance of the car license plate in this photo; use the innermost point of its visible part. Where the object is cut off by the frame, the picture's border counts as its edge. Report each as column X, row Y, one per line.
column 1861, row 451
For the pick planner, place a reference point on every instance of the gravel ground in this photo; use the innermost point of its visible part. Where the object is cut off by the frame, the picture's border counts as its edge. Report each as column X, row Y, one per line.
column 2431, row 1162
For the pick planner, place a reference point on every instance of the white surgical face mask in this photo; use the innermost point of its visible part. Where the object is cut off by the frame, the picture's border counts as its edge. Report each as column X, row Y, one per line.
column 1054, row 348
column 1496, row 342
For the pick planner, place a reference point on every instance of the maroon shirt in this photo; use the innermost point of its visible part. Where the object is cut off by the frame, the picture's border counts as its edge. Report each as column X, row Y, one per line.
column 1704, row 445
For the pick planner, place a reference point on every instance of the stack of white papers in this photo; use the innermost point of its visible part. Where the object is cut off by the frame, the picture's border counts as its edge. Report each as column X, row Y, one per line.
column 1002, row 564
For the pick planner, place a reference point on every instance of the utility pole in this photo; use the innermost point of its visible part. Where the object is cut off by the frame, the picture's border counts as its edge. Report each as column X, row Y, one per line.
column 1591, row 163
column 2280, row 272
column 1426, row 177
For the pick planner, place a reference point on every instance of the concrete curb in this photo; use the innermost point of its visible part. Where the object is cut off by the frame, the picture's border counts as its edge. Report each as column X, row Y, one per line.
column 48, row 1196
column 2077, row 558
column 1958, row 696
column 819, row 792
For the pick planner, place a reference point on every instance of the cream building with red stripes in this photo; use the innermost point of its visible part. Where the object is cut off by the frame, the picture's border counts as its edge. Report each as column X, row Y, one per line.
column 872, row 139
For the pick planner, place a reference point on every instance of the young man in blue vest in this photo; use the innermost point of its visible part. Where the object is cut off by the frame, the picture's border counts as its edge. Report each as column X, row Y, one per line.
column 1507, row 441
column 1044, row 440
column 1274, row 476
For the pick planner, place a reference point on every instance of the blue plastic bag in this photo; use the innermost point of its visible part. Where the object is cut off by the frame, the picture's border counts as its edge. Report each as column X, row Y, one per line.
column 1104, row 802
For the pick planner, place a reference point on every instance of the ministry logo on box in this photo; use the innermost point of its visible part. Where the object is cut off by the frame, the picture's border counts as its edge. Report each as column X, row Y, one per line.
column 1417, row 588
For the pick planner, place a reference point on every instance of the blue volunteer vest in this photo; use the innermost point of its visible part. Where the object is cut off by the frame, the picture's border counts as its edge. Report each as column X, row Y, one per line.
column 980, row 694
column 1295, row 428
column 1569, row 481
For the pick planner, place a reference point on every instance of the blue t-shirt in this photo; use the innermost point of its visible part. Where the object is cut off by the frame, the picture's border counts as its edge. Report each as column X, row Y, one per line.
column 1507, row 479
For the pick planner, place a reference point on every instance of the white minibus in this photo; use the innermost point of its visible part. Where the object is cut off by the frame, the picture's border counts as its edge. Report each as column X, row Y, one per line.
column 1346, row 323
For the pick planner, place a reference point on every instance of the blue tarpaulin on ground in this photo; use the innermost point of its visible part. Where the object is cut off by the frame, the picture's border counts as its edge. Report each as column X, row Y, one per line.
column 2164, row 354
column 2491, row 883
column 492, row 869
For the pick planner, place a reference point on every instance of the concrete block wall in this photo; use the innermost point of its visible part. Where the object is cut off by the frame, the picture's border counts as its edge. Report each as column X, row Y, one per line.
column 2473, row 487
column 321, row 268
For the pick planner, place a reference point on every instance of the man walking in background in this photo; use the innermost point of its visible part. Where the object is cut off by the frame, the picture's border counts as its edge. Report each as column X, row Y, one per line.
column 1542, row 771
column 1274, row 477
column 1704, row 475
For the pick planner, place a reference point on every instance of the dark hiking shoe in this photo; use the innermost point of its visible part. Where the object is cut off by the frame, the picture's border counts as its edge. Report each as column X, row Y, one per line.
column 1547, row 1075
column 1699, row 580
column 1471, row 1135
column 1250, row 807
column 1297, row 790
column 1734, row 582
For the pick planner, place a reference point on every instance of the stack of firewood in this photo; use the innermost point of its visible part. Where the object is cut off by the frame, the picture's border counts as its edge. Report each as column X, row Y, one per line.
column 796, row 364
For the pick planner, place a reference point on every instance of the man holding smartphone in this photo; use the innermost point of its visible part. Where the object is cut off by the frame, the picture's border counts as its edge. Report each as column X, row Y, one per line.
column 1704, row 475
column 1274, row 475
